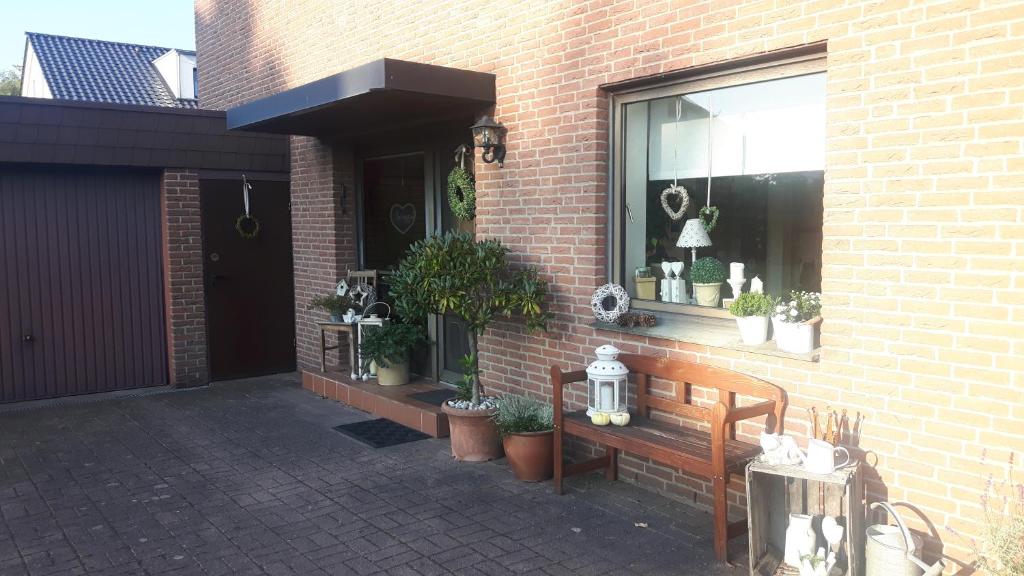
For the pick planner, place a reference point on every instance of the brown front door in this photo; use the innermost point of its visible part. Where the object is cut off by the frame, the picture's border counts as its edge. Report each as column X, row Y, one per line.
column 81, row 282
column 249, row 292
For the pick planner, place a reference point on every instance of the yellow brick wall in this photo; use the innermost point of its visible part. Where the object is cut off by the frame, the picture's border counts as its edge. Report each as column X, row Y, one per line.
column 923, row 237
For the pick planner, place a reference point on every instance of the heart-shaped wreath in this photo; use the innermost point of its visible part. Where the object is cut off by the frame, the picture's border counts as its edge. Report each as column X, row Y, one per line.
column 684, row 201
column 708, row 217
column 248, row 227
column 462, row 194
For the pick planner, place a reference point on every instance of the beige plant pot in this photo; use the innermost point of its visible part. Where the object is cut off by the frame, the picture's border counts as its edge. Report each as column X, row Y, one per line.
column 395, row 374
column 707, row 294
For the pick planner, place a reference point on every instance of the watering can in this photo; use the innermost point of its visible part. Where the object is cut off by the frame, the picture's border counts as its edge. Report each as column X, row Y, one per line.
column 892, row 550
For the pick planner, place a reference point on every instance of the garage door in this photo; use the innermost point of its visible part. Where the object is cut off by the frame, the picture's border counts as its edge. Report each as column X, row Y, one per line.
column 81, row 297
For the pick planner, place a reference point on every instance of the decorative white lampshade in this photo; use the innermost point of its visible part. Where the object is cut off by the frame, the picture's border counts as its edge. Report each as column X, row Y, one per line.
column 694, row 236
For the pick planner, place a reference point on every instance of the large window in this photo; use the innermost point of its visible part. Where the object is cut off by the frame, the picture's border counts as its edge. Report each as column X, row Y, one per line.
column 750, row 146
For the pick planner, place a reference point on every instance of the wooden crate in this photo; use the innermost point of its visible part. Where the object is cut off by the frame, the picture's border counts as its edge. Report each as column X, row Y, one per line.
column 774, row 492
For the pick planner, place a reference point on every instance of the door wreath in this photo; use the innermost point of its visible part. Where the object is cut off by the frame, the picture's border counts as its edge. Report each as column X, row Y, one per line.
column 462, row 193
column 248, row 226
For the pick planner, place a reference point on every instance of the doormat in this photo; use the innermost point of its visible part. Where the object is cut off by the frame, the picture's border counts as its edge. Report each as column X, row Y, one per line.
column 380, row 433
column 433, row 397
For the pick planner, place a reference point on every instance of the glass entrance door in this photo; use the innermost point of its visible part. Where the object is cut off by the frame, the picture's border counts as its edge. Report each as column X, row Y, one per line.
column 394, row 209
column 405, row 198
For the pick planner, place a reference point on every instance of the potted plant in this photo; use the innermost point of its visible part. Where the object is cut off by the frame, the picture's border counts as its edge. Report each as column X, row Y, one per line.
column 752, row 311
column 795, row 322
column 452, row 273
column 707, row 275
column 335, row 305
column 526, row 427
column 389, row 348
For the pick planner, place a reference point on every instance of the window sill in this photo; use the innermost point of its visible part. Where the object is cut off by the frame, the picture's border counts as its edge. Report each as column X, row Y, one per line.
column 714, row 332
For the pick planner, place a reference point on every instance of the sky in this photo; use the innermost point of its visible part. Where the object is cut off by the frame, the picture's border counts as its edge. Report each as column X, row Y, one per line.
column 167, row 23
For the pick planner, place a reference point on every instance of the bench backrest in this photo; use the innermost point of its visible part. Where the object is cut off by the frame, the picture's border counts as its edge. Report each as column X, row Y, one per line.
column 681, row 372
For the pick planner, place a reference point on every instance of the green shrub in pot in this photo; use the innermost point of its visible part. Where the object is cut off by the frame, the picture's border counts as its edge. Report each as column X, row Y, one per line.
column 752, row 311
column 752, row 304
column 389, row 347
column 707, row 275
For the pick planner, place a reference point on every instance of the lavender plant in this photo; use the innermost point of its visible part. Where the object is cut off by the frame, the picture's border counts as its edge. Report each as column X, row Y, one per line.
column 1000, row 550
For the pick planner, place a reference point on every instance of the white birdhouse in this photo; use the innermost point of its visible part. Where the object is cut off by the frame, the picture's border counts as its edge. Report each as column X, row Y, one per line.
column 607, row 381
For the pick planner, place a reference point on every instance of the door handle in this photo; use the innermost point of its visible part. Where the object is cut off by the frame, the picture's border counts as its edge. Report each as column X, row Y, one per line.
column 216, row 278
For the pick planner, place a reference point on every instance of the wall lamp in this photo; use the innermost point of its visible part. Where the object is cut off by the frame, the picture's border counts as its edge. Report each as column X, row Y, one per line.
column 489, row 136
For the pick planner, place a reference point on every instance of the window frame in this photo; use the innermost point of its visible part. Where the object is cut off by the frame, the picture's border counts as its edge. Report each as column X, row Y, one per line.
column 720, row 77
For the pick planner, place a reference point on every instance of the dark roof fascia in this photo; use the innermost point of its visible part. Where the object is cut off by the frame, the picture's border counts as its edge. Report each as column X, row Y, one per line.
column 386, row 74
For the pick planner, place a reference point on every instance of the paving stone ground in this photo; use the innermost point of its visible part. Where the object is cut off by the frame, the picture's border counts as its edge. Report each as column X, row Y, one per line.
column 247, row 477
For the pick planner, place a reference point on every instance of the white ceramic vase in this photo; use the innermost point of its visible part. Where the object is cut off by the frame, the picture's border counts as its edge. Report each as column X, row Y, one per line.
column 800, row 539
column 753, row 329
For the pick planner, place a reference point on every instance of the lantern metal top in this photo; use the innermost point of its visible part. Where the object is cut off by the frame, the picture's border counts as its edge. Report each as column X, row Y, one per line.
column 607, row 364
column 486, row 123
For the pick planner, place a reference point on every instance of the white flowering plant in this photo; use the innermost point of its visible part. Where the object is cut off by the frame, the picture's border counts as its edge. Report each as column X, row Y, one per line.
column 802, row 306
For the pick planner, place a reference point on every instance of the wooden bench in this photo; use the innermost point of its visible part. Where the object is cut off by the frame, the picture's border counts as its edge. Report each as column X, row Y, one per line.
column 714, row 454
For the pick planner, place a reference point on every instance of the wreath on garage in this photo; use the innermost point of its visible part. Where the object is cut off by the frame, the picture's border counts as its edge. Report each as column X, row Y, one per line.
column 462, row 188
column 248, row 226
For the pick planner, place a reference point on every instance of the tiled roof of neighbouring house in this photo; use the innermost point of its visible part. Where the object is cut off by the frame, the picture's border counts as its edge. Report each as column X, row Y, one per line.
column 101, row 71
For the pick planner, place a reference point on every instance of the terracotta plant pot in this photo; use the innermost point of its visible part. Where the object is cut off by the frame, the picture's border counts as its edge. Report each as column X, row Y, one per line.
column 394, row 375
column 707, row 294
column 531, row 455
column 473, row 434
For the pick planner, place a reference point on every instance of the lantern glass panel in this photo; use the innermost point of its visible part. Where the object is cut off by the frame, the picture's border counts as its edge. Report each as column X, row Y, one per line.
column 483, row 136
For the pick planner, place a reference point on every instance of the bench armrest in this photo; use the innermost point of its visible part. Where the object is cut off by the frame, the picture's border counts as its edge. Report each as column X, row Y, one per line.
column 558, row 381
column 745, row 413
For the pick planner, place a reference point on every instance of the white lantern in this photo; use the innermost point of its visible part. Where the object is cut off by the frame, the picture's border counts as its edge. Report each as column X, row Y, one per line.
column 607, row 380
column 365, row 324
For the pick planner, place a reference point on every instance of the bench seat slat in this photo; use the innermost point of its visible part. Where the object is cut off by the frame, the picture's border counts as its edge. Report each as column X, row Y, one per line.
column 681, row 447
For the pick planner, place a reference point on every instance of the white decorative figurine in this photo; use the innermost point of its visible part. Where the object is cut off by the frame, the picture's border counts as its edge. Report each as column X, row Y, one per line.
column 736, row 279
column 666, row 282
column 678, row 284
column 756, row 286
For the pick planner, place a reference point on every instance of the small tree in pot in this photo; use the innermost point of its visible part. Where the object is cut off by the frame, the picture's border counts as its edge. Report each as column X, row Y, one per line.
column 526, row 427
column 752, row 311
column 707, row 275
column 453, row 273
column 389, row 347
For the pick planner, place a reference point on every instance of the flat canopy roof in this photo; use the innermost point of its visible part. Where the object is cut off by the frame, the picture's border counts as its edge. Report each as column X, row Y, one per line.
column 379, row 95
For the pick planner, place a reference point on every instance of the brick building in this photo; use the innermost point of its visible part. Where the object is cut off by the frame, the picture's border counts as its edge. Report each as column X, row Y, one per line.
column 919, row 168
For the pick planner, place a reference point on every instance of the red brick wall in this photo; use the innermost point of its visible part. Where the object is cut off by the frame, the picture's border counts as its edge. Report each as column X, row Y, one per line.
column 183, row 278
column 923, row 233
column 323, row 233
